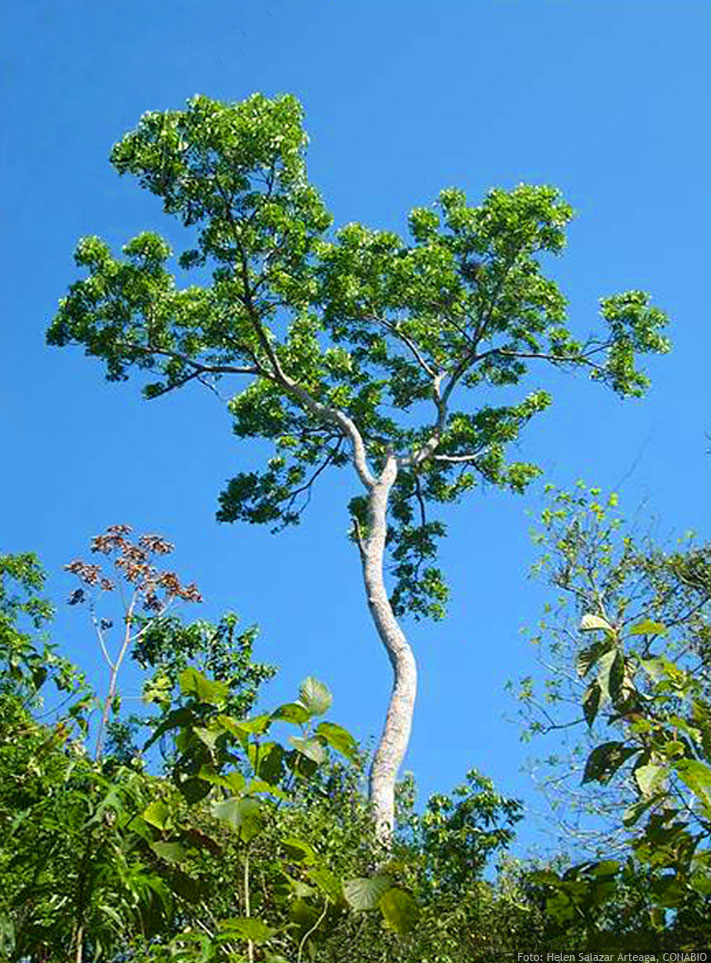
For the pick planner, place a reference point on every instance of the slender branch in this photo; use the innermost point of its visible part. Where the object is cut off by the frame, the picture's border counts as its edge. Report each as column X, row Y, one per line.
column 114, row 676
column 455, row 459
column 406, row 340
column 583, row 358
column 247, row 909
column 100, row 634
column 313, row 929
column 308, row 485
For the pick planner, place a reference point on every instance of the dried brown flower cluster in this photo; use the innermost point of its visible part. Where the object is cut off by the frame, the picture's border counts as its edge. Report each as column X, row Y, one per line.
column 133, row 560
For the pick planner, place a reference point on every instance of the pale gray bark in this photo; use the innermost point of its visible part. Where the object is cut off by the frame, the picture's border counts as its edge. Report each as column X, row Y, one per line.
column 398, row 722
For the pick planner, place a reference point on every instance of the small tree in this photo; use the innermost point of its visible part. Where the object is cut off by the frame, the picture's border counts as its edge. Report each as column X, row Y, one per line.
column 353, row 346
column 628, row 648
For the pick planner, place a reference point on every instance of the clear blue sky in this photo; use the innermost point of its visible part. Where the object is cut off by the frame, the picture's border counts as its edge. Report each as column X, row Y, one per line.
column 604, row 98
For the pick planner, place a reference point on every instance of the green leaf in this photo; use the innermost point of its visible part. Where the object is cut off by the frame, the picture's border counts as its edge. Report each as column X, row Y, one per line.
column 669, row 892
column 632, row 813
column 267, row 760
column 299, row 849
column 170, row 852
column 648, row 627
column 701, row 883
column 616, row 679
column 315, row 696
column 156, row 813
column 648, row 777
column 312, row 748
column 328, row 883
column 195, row 684
column 292, row 712
column 244, row 815
column 364, row 893
column 697, row 776
column 339, row 739
column 604, row 761
column 610, row 672
column 589, row 656
column 591, row 623
column 256, row 726
column 208, row 737
column 591, row 702
column 544, row 877
column 246, row 928
column 400, row 910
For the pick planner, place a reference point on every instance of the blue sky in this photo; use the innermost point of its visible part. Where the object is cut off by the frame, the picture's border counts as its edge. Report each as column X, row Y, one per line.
column 606, row 100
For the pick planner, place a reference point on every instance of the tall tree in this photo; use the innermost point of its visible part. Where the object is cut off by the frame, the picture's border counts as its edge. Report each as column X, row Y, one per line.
column 353, row 345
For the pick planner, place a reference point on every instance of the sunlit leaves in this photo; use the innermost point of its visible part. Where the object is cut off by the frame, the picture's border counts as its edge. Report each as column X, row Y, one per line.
column 315, row 696
column 364, row 893
column 389, row 330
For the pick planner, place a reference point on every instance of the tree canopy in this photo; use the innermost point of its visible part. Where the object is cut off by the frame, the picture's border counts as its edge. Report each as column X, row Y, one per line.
column 333, row 330
column 356, row 347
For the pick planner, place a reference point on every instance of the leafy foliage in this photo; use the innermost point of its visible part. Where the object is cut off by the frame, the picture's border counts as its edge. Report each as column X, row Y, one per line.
column 353, row 338
column 647, row 672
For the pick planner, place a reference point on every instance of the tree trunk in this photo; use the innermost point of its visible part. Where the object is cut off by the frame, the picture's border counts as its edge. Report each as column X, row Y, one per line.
column 398, row 722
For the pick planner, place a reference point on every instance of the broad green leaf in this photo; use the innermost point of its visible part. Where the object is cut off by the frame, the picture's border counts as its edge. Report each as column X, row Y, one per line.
column 259, row 785
column 364, row 893
column 315, row 696
column 545, row 877
column 590, row 623
column 170, row 852
column 292, row 712
column 648, row 777
column 177, row 719
column 270, row 764
column 246, row 928
column 697, row 776
column 156, row 813
column 328, row 883
column 255, row 726
column 399, row 910
column 648, row 627
column 299, row 849
column 604, row 761
column 208, row 737
column 589, row 656
column 244, row 815
column 312, row 748
column 701, row 882
column 195, row 684
column 339, row 738
column 658, row 667
column 610, row 672
column 669, row 891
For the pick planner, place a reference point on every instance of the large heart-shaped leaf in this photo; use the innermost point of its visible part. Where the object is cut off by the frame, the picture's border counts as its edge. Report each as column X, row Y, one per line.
column 315, row 696
column 339, row 738
column 244, row 815
column 364, row 893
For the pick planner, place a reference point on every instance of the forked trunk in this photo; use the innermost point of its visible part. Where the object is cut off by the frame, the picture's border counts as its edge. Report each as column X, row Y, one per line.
column 398, row 723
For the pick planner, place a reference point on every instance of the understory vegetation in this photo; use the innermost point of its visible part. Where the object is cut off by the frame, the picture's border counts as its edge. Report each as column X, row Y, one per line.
column 209, row 829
